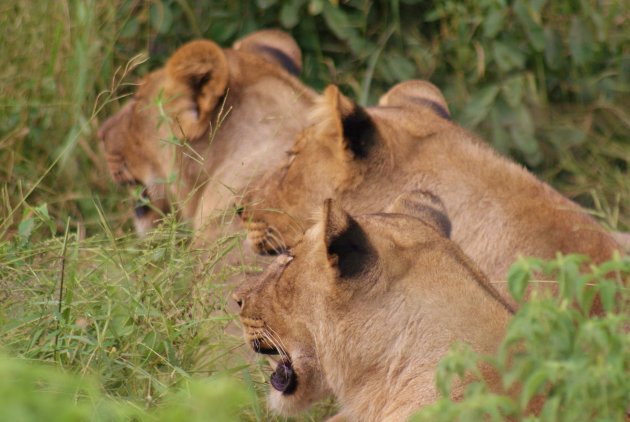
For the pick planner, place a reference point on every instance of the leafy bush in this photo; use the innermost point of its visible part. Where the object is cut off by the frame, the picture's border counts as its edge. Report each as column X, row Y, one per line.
column 553, row 349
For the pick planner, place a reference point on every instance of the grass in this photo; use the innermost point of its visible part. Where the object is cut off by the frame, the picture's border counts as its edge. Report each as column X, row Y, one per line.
column 138, row 324
column 143, row 317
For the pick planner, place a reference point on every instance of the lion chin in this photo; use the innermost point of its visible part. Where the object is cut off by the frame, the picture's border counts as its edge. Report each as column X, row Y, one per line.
column 296, row 384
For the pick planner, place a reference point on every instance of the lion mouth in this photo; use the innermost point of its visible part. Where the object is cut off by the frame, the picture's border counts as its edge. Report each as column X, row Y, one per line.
column 283, row 378
column 142, row 207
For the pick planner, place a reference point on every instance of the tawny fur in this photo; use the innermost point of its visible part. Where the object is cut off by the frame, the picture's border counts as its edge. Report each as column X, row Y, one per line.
column 230, row 116
column 497, row 208
column 378, row 335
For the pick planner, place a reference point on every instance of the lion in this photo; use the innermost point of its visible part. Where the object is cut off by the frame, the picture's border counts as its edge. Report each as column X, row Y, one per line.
column 366, row 307
column 364, row 157
column 200, row 129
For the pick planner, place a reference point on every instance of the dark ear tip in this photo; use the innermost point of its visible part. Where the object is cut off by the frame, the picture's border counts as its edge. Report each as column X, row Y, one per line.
column 416, row 93
column 274, row 45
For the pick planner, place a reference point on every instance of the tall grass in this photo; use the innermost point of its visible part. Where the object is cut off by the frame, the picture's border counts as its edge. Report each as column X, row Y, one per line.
column 143, row 317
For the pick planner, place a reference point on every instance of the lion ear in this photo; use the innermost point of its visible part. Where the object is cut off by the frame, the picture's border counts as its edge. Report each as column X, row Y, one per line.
column 275, row 46
column 200, row 70
column 347, row 246
column 415, row 94
column 339, row 119
column 425, row 206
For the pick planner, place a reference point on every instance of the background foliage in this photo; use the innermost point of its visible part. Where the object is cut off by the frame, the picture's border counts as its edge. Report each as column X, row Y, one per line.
column 547, row 83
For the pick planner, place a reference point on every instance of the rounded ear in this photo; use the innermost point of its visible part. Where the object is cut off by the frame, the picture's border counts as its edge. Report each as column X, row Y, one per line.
column 199, row 69
column 347, row 247
column 424, row 206
column 416, row 94
column 340, row 119
column 275, row 46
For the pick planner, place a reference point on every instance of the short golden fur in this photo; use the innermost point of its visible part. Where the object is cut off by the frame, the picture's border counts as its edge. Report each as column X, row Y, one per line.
column 365, row 157
column 228, row 115
column 365, row 308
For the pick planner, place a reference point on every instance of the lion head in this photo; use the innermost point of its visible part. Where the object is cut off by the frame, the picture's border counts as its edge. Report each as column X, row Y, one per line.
column 343, row 151
column 202, row 127
column 365, row 157
column 365, row 307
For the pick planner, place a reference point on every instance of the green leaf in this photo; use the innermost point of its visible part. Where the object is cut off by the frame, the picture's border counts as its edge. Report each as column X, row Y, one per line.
column 265, row 4
column 289, row 13
column 398, row 68
column 479, row 105
column 550, row 409
column 25, row 228
column 493, row 23
column 512, row 90
column 161, row 17
column 537, row 5
column 507, row 56
column 581, row 44
column 523, row 134
column 531, row 23
column 607, row 291
column 315, row 7
column 518, row 278
column 337, row 22
column 222, row 30
column 553, row 48
column 130, row 29
column 525, row 140
column 567, row 136
column 500, row 137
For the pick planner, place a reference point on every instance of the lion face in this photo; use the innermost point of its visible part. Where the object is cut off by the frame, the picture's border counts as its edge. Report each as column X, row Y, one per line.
column 189, row 122
column 331, row 308
column 343, row 152
column 278, row 210
column 135, row 155
column 267, row 307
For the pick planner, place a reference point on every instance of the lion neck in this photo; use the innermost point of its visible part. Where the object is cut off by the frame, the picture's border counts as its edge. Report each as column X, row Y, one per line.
column 380, row 358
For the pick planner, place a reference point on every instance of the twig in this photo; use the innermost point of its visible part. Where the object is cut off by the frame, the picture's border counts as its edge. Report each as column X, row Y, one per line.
column 63, row 275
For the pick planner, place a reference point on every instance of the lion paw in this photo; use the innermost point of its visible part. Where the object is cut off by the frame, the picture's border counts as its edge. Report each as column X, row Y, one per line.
column 264, row 239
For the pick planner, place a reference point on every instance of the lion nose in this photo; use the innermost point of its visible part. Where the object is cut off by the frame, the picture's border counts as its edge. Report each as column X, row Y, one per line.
column 237, row 298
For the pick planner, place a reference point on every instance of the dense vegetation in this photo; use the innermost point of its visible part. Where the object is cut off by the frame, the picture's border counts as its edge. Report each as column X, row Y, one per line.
column 132, row 322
